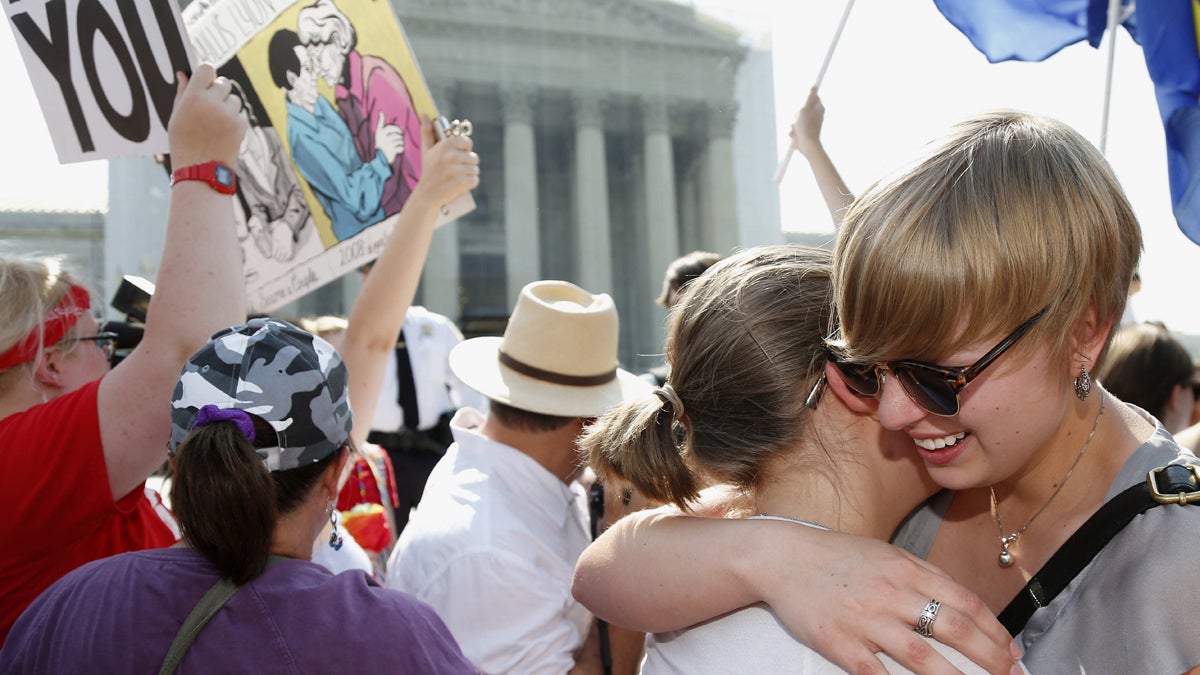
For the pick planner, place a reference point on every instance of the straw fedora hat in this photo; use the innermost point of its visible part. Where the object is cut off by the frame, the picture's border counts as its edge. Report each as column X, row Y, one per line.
column 558, row 355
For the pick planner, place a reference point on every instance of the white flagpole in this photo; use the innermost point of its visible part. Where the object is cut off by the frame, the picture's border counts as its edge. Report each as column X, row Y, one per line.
column 1114, row 20
column 787, row 159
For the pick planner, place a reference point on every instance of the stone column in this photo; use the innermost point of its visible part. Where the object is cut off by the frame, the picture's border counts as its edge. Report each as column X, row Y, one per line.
column 661, row 234
column 593, row 240
column 719, row 191
column 135, row 226
column 521, row 233
column 440, row 276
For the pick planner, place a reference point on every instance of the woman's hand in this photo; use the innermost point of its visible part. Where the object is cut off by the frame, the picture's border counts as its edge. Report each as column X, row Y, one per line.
column 849, row 597
column 205, row 123
column 449, row 168
column 806, row 128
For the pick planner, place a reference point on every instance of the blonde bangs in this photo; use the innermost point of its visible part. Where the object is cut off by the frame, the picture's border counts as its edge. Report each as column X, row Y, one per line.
column 1011, row 215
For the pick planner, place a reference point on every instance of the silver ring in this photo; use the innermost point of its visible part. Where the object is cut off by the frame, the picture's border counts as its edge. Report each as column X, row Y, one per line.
column 924, row 625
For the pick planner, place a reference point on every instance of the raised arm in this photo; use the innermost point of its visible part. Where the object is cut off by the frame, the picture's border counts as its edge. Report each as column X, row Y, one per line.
column 199, row 290
column 845, row 596
column 449, row 169
column 806, row 135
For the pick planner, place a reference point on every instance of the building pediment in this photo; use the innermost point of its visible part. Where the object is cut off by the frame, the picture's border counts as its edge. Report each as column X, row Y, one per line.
column 654, row 21
column 633, row 48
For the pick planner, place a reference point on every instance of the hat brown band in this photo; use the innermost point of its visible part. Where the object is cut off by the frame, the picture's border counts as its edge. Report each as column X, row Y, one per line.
column 556, row 378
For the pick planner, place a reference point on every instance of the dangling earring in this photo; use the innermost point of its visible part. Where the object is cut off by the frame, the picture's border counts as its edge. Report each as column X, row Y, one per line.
column 1083, row 383
column 335, row 537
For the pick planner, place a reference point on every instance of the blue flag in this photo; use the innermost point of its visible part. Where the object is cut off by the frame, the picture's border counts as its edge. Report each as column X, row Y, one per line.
column 1026, row 30
column 1169, row 33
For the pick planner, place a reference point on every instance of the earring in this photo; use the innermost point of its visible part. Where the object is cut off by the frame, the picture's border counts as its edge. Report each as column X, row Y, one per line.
column 1083, row 383
column 335, row 537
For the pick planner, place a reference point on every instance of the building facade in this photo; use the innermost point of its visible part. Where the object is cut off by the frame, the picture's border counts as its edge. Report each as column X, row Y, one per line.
column 613, row 134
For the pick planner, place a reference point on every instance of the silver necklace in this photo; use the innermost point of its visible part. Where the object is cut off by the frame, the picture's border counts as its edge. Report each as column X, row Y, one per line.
column 1006, row 557
column 763, row 516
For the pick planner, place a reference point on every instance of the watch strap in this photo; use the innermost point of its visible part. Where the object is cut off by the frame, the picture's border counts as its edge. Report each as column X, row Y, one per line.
column 218, row 175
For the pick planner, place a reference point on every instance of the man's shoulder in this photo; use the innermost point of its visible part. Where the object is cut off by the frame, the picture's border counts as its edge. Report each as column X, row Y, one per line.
column 426, row 318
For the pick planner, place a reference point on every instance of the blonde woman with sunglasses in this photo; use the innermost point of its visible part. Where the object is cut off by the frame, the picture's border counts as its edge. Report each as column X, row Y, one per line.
column 1009, row 247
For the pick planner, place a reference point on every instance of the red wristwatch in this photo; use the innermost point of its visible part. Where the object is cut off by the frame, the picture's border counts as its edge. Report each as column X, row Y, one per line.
column 217, row 174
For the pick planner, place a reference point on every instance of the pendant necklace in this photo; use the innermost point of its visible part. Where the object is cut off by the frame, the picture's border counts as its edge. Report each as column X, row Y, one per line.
column 1006, row 557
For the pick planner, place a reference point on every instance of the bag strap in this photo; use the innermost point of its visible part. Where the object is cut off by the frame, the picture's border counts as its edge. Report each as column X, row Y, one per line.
column 596, row 511
column 1172, row 484
column 205, row 609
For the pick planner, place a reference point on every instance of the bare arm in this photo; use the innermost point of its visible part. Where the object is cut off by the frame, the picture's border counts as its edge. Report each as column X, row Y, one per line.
column 199, row 289
column 845, row 596
column 806, row 135
column 625, row 649
column 449, row 169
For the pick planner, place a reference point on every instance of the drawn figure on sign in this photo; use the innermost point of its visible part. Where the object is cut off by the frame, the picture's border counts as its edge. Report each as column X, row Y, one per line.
column 365, row 86
column 349, row 188
column 272, row 202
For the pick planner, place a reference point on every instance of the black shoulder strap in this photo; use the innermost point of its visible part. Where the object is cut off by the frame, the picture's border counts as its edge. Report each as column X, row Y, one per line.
column 205, row 609
column 1173, row 484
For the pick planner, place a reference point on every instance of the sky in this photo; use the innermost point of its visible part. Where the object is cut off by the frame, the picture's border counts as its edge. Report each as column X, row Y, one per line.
column 899, row 77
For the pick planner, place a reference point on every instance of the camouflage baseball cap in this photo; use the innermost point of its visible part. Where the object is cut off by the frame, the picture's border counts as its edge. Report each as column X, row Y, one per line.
column 293, row 380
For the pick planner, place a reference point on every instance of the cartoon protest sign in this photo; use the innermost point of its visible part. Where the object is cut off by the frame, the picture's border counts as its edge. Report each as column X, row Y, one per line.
column 334, row 97
column 103, row 72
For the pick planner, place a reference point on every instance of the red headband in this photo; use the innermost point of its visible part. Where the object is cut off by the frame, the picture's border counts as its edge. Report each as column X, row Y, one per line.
column 54, row 327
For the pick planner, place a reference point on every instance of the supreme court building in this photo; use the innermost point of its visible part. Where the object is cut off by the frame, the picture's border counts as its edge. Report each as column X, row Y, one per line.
column 614, row 135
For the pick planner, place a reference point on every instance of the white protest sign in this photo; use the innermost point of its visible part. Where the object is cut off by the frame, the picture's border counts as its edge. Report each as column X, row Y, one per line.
column 103, row 71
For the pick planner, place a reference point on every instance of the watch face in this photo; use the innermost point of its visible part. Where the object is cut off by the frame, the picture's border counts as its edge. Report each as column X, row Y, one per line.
column 224, row 175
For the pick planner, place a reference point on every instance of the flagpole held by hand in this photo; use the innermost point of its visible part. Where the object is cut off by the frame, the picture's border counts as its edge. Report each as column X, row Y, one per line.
column 1114, row 20
column 787, row 158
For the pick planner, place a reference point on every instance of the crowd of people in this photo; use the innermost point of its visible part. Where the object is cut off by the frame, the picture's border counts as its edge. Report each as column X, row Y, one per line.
column 883, row 458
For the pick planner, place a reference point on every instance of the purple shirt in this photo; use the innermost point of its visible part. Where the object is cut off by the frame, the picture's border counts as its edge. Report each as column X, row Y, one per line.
column 120, row 615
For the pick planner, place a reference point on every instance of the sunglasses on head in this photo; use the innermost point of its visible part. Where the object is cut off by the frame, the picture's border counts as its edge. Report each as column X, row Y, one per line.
column 935, row 388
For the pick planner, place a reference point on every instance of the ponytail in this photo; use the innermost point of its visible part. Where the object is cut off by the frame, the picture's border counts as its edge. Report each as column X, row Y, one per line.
column 226, row 500
column 636, row 441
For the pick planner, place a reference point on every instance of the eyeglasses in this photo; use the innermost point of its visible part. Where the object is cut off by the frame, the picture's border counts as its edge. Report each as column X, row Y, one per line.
column 935, row 388
column 104, row 340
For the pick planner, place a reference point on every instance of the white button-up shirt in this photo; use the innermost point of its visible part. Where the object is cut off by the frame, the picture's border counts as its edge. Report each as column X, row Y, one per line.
column 428, row 337
column 492, row 547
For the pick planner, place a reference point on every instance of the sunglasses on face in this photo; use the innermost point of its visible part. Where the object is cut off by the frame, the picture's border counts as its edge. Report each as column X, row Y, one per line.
column 935, row 388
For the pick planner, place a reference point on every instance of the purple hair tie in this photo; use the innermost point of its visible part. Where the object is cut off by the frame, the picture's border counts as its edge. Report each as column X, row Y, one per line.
column 211, row 413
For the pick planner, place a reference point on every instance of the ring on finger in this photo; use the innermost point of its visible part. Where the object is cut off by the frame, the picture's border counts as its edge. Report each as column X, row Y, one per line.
column 924, row 624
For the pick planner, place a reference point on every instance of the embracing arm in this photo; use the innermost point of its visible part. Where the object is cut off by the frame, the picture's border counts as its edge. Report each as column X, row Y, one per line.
column 845, row 596
column 200, row 287
column 450, row 169
column 358, row 188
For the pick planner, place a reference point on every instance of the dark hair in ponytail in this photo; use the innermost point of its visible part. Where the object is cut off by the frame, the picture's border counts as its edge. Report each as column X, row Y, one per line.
column 745, row 345
column 226, row 500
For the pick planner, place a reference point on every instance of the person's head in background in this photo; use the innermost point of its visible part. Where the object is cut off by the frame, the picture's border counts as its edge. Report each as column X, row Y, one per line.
column 1195, row 419
column 260, row 426
column 328, row 327
column 681, row 272
column 50, row 343
column 1149, row 368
